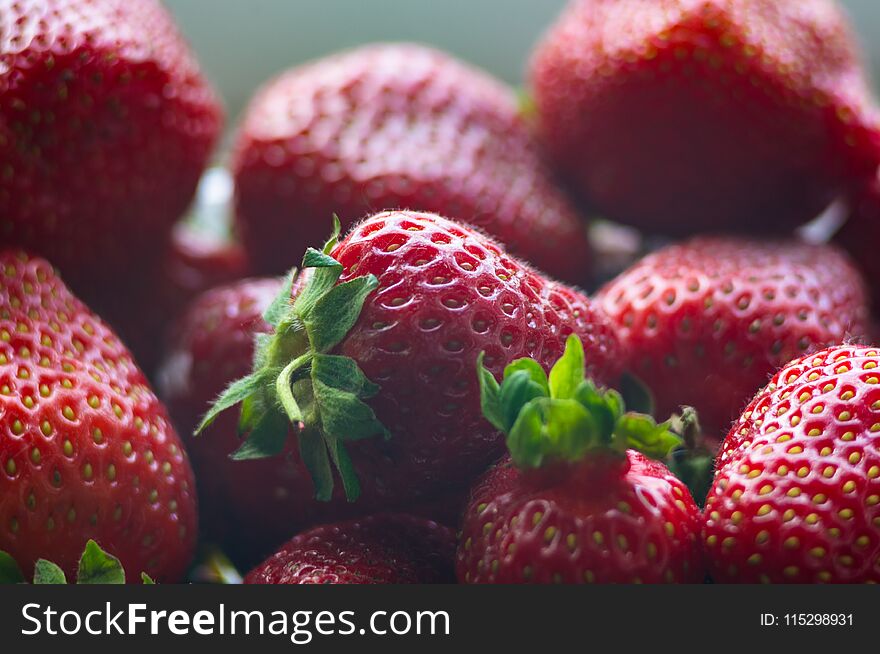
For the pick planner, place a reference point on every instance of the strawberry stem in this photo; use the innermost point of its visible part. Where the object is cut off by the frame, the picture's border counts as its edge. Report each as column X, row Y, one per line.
column 297, row 382
column 563, row 416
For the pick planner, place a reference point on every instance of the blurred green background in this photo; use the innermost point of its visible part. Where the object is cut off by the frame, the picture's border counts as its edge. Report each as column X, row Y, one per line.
column 241, row 43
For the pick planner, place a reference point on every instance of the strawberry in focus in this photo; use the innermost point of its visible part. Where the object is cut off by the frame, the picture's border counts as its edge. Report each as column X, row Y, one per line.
column 396, row 126
column 86, row 449
column 706, row 322
column 248, row 506
column 372, row 362
column 678, row 116
column 105, row 125
column 796, row 496
column 380, row 549
column 574, row 504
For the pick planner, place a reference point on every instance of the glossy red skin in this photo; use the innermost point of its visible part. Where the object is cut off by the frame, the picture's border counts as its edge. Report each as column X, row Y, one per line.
column 673, row 115
column 739, row 310
column 792, row 507
column 380, row 549
column 249, row 506
column 392, row 126
column 603, row 520
column 447, row 293
column 63, row 373
column 105, row 125
column 861, row 232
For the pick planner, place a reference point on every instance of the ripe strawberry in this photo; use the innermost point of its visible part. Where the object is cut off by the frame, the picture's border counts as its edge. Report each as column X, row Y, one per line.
column 706, row 322
column 396, row 126
column 861, row 231
column 249, row 506
column 576, row 505
column 212, row 346
column 796, row 496
column 105, row 125
column 709, row 115
column 86, row 449
column 391, row 321
column 380, row 549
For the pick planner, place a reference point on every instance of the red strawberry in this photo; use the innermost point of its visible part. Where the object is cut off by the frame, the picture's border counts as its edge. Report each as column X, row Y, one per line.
column 381, row 549
column 391, row 321
column 396, row 126
column 709, row 115
column 576, row 505
column 248, row 506
column 86, row 449
column 796, row 496
column 105, row 125
column 861, row 232
column 706, row 322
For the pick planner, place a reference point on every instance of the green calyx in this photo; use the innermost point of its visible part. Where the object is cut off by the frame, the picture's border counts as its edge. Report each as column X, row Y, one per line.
column 95, row 567
column 296, row 382
column 563, row 416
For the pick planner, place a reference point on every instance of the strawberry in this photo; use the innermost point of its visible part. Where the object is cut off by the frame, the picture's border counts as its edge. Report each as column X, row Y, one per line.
column 796, row 496
column 249, row 506
column 105, row 125
column 706, row 322
column 86, row 449
column 388, row 126
column 380, row 549
column 574, row 504
column 710, row 115
column 382, row 341
column 861, row 231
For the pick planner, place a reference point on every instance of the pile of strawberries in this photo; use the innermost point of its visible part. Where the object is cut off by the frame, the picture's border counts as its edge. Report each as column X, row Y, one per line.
column 428, row 395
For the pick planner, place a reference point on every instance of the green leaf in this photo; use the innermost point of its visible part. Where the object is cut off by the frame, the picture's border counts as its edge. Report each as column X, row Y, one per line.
column 641, row 433
column 347, row 473
column 342, row 373
column 606, row 407
column 516, row 391
column 548, row 429
column 147, row 580
column 636, row 394
column 47, row 573
column 567, row 374
column 344, row 415
column 98, row 567
column 313, row 453
column 533, row 368
column 490, row 395
column 315, row 259
column 325, row 273
column 336, row 312
column 10, row 573
column 237, row 391
column 267, row 439
column 334, row 235
column 282, row 303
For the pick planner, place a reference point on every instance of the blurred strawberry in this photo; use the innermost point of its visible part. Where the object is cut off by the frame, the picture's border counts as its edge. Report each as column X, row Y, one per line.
column 396, row 126
column 105, row 125
column 678, row 116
